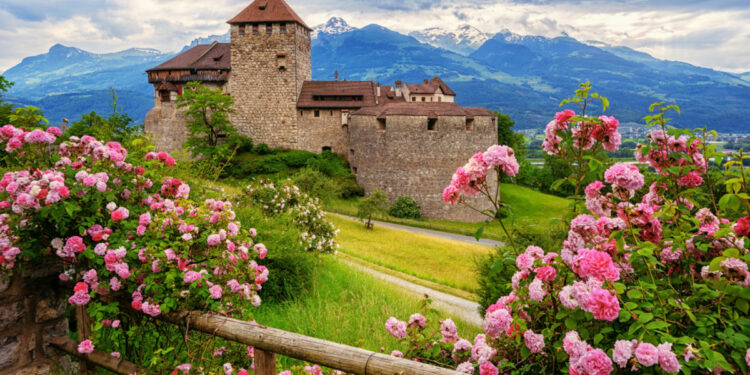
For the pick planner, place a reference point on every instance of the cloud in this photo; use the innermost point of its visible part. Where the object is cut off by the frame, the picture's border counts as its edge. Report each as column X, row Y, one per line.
column 694, row 31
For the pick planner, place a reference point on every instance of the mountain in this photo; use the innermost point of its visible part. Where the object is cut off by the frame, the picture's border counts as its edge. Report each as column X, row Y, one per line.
column 745, row 76
column 463, row 40
column 524, row 76
column 223, row 38
column 335, row 25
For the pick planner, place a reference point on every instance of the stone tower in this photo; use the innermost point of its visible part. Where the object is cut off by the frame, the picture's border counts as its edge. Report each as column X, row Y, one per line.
column 270, row 47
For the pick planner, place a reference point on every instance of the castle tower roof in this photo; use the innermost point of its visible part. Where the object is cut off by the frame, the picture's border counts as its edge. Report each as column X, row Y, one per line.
column 268, row 11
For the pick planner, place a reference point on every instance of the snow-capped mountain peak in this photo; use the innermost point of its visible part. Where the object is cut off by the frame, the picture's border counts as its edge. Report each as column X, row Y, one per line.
column 464, row 39
column 336, row 25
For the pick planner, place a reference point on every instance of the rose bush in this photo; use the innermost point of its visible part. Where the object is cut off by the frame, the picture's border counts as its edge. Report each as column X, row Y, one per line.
column 654, row 285
column 122, row 233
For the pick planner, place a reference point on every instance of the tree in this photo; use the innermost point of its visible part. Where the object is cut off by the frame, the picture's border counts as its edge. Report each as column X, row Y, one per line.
column 207, row 111
column 5, row 108
column 28, row 118
column 374, row 204
column 118, row 127
column 506, row 135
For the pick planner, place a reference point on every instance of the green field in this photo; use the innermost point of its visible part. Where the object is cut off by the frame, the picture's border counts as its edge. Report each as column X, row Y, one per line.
column 529, row 208
column 349, row 307
column 443, row 261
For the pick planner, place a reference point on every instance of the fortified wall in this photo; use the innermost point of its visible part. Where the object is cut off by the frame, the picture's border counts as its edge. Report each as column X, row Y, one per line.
column 416, row 155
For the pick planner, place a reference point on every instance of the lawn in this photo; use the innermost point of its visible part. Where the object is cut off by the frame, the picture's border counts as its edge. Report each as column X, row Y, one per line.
column 443, row 261
column 348, row 307
column 529, row 207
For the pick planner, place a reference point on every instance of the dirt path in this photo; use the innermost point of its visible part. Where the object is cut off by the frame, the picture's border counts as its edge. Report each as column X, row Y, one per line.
column 430, row 232
column 452, row 305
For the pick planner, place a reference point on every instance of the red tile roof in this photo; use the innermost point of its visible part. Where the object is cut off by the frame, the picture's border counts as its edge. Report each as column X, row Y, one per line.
column 215, row 56
column 431, row 110
column 430, row 87
column 336, row 94
column 268, row 11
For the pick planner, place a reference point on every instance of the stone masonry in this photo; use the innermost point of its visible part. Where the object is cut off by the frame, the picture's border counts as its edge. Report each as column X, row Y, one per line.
column 328, row 130
column 268, row 70
column 405, row 158
column 32, row 313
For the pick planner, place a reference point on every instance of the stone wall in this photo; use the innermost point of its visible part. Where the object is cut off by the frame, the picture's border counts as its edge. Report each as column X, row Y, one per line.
column 327, row 130
column 408, row 159
column 32, row 313
column 266, row 79
column 165, row 124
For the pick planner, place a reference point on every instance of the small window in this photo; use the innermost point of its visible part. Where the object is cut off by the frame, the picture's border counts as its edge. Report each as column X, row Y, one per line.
column 255, row 30
column 165, row 95
column 469, row 124
column 317, row 113
column 282, row 28
column 331, row 113
column 414, row 98
column 327, row 148
column 301, row 113
column 354, row 170
column 432, row 124
column 351, row 152
column 423, row 98
column 282, row 68
column 440, row 99
column 242, row 30
column 381, row 124
column 269, row 29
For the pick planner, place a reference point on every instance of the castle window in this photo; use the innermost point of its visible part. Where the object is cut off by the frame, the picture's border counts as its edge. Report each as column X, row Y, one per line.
column 381, row 124
column 269, row 29
column 242, row 30
column 255, row 30
column 432, row 124
column 351, row 151
column 165, row 95
column 327, row 148
column 331, row 113
column 354, row 170
column 282, row 28
column 317, row 113
column 423, row 98
column 301, row 113
column 469, row 124
column 440, row 99
column 414, row 98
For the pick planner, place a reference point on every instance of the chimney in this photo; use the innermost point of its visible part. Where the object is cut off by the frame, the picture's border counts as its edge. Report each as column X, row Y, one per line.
column 377, row 91
column 336, row 75
column 397, row 88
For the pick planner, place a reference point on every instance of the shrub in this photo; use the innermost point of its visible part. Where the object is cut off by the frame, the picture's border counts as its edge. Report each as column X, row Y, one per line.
column 405, row 208
column 347, row 187
column 262, row 149
column 316, row 184
column 317, row 234
column 296, row 159
column 371, row 206
column 330, row 164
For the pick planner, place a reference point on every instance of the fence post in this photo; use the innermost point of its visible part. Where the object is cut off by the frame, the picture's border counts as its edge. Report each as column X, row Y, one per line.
column 83, row 325
column 265, row 362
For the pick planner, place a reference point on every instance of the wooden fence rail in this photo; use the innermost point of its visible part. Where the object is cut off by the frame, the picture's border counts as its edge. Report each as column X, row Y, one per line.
column 329, row 354
column 268, row 342
column 99, row 358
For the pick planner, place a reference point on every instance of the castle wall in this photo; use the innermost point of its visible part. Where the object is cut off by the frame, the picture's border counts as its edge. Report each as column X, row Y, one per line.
column 327, row 130
column 407, row 159
column 267, row 75
column 165, row 123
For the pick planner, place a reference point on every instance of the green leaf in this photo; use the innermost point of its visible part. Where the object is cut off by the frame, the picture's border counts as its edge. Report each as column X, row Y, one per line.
column 635, row 294
column 478, row 234
column 645, row 317
column 658, row 324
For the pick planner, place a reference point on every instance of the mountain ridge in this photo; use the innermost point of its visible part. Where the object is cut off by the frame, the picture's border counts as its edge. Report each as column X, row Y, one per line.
column 525, row 76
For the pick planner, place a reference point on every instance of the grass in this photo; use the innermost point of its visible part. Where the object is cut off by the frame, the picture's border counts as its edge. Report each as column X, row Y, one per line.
column 443, row 261
column 528, row 207
column 348, row 307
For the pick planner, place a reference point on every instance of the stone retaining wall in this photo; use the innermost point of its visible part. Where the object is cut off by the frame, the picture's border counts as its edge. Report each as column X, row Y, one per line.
column 32, row 313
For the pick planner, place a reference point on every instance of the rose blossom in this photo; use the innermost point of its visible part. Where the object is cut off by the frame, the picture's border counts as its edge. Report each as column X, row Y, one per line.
column 647, row 354
column 85, row 347
column 533, row 341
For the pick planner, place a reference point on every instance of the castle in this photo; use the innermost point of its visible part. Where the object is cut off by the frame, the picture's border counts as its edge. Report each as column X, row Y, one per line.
column 405, row 139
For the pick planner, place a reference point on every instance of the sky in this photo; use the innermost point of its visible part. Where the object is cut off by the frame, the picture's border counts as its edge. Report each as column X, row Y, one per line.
column 714, row 34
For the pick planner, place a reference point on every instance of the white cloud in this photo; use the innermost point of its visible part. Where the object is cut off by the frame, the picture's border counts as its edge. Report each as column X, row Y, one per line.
column 687, row 30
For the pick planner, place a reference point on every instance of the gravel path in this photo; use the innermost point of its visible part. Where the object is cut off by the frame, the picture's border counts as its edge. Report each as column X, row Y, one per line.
column 454, row 306
column 450, row 236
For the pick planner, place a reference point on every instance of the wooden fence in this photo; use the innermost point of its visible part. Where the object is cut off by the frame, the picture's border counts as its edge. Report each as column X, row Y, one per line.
column 271, row 341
